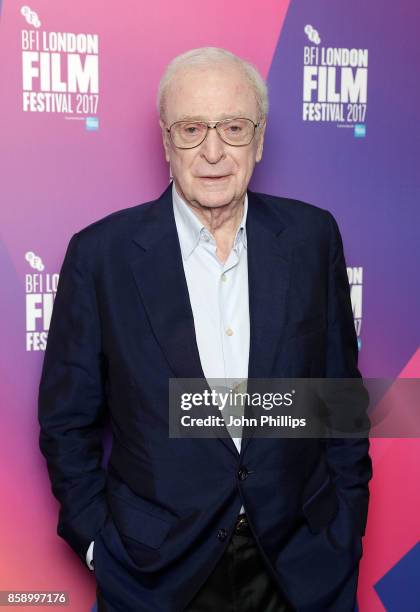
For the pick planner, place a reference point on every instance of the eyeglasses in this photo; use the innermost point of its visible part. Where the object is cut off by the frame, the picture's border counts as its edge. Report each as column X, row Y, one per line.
column 237, row 132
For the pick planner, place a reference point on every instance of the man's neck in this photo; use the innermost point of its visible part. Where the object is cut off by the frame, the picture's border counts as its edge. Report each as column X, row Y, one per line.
column 221, row 221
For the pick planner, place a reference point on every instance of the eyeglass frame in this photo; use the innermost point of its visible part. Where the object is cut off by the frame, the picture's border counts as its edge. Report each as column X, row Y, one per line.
column 211, row 125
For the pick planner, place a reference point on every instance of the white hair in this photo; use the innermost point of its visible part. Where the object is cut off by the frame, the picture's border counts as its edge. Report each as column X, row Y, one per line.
column 210, row 56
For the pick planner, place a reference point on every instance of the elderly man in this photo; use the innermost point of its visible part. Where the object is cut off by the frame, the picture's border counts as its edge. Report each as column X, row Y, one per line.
column 209, row 281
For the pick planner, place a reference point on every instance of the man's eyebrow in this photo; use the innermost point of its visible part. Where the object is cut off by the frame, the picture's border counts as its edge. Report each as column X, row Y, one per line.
column 201, row 118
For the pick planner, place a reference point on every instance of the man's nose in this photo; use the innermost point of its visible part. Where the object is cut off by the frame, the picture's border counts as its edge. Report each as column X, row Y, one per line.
column 213, row 147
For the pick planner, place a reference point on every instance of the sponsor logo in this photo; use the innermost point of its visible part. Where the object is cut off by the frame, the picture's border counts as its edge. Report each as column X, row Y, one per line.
column 92, row 124
column 359, row 130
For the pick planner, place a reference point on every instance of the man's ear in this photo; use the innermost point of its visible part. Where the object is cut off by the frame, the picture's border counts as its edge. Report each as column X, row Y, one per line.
column 165, row 139
column 260, row 146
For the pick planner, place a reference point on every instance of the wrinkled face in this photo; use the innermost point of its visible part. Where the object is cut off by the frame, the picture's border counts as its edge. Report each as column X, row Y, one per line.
column 214, row 173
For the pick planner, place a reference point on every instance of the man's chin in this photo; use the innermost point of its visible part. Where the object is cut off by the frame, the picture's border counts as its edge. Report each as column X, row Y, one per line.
column 214, row 197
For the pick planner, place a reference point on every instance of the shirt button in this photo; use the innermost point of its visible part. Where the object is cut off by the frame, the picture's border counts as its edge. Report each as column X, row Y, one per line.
column 206, row 237
column 223, row 277
column 229, row 331
column 222, row 534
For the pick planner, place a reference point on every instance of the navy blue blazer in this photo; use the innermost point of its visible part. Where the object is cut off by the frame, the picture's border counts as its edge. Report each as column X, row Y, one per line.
column 162, row 511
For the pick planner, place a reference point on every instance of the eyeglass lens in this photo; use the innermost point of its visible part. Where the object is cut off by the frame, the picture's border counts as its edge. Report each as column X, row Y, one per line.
column 233, row 131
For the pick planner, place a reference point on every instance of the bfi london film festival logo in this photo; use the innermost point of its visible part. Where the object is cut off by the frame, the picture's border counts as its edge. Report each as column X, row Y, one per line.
column 40, row 289
column 355, row 276
column 335, row 83
column 60, row 71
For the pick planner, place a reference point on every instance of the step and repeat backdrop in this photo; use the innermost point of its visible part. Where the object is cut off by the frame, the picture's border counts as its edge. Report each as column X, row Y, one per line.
column 79, row 138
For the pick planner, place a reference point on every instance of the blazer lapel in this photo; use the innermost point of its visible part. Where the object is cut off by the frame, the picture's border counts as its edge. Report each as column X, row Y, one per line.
column 160, row 278
column 268, row 278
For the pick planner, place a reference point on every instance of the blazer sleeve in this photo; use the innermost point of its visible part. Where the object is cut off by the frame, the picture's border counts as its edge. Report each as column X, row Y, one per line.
column 72, row 404
column 348, row 457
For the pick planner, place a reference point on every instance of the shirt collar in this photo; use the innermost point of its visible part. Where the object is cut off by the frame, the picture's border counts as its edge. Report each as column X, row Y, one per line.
column 190, row 227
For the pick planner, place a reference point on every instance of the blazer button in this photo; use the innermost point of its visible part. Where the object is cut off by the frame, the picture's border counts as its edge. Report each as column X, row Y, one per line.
column 243, row 473
column 222, row 534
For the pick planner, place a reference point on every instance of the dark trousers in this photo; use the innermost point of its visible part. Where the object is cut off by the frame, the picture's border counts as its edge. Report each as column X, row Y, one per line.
column 240, row 582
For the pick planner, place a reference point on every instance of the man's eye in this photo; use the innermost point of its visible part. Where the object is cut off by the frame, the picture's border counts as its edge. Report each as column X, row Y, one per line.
column 234, row 129
column 191, row 129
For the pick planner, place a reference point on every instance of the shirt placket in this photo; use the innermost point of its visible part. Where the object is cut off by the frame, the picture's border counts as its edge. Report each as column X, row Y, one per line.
column 228, row 329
